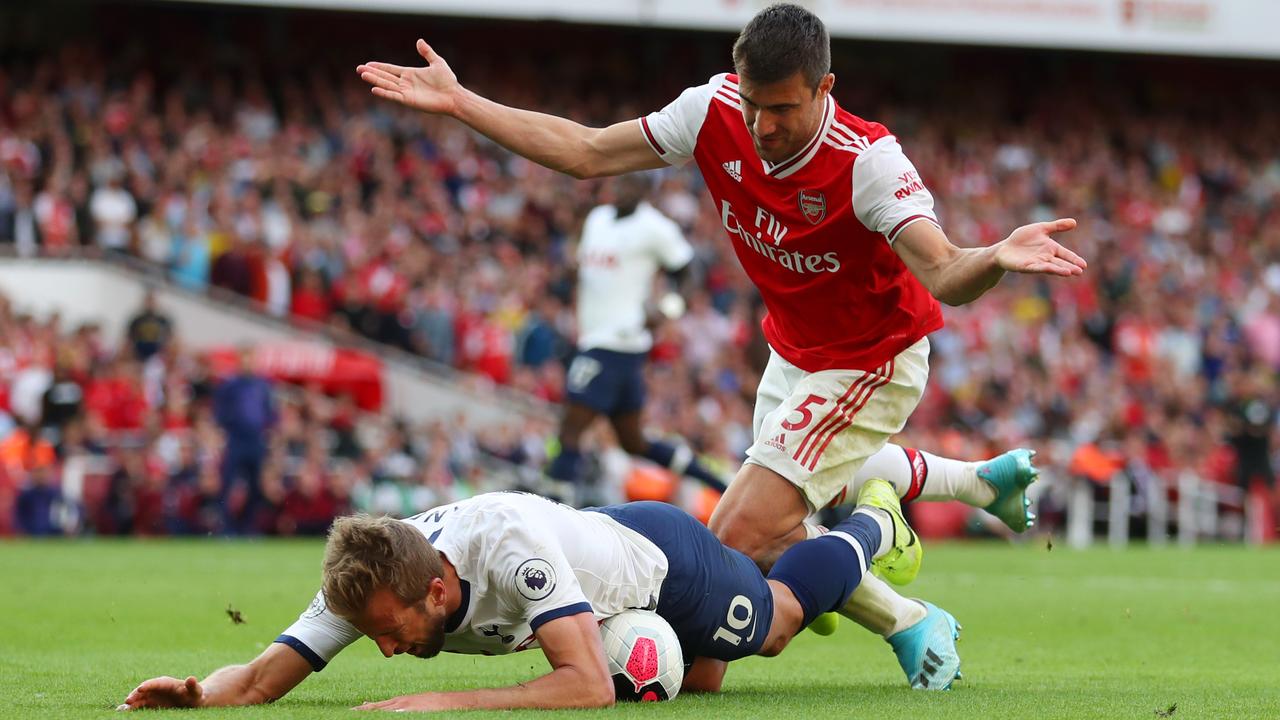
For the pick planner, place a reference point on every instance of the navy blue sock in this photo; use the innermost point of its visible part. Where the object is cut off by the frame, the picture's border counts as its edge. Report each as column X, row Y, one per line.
column 682, row 462
column 567, row 466
column 823, row 572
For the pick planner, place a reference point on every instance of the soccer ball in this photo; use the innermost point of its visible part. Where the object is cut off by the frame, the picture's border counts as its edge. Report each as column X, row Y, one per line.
column 644, row 656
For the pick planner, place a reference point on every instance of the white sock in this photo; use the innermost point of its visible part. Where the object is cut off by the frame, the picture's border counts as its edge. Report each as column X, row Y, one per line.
column 932, row 478
column 949, row 479
column 878, row 608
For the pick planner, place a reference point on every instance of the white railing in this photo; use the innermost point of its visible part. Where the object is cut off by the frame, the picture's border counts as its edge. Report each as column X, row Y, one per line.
column 1204, row 510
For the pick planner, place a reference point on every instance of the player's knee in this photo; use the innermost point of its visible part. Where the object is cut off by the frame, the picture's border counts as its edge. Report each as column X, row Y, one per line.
column 755, row 540
column 774, row 646
column 633, row 445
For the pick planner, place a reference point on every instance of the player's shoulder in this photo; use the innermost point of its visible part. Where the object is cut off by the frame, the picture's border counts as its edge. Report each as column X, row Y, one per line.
column 599, row 214
column 511, row 503
column 855, row 134
column 721, row 87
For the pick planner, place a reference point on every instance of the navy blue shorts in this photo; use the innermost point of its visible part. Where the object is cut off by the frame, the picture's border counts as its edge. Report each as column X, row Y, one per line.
column 714, row 597
column 611, row 383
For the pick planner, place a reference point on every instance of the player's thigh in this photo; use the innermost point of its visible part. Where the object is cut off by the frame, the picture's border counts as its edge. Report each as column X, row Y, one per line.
column 776, row 385
column 592, row 381
column 834, row 420
column 759, row 513
column 631, row 391
column 715, row 598
column 575, row 421
column 724, row 606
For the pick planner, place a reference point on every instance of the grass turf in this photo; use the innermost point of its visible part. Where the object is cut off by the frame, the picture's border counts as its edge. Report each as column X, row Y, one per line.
column 1047, row 634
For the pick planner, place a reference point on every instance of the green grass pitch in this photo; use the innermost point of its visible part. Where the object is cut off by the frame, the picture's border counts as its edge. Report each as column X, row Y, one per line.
column 1047, row 634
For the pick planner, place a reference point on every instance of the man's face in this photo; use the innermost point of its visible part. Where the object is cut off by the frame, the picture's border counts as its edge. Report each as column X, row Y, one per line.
column 629, row 190
column 398, row 628
column 783, row 116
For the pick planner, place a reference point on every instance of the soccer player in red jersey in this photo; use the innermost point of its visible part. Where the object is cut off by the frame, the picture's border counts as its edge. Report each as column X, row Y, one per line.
column 836, row 228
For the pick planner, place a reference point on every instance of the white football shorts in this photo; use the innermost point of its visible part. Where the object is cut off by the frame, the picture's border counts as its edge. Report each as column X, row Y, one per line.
column 817, row 429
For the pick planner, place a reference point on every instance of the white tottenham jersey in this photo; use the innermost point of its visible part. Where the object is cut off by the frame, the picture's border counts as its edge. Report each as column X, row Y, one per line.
column 617, row 259
column 522, row 561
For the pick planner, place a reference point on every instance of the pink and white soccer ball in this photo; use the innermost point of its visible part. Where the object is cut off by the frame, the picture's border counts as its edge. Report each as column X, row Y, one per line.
column 644, row 656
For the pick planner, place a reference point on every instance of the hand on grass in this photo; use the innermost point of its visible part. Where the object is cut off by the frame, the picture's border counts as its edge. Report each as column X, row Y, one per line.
column 164, row 692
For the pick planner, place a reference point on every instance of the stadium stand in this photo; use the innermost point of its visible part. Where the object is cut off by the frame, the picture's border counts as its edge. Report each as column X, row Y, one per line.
column 272, row 174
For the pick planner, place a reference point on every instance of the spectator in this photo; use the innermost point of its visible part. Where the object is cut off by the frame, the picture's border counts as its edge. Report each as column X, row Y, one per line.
column 40, row 504
column 245, row 410
column 113, row 210
column 63, row 402
column 309, row 508
column 150, row 330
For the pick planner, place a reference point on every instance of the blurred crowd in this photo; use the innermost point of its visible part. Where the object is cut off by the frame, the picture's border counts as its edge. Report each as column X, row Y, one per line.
column 139, row 435
column 298, row 190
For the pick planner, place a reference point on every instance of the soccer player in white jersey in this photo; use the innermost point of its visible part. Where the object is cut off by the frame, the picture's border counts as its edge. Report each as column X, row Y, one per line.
column 623, row 246
column 836, row 228
column 506, row 572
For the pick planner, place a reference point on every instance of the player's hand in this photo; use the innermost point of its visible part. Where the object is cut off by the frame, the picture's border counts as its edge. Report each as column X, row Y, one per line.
column 406, row 703
column 164, row 692
column 1032, row 249
column 432, row 89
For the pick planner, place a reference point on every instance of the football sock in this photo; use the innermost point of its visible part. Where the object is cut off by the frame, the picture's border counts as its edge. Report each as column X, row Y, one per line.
column 566, row 467
column 948, row 479
column 880, row 518
column 823, row 572
column 919, row 475
column 875, row 606
column 680, row 460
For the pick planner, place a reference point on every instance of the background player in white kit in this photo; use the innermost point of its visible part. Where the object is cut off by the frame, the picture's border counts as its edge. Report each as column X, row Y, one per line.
column 623, row 247
column 848, row 263
column 506, row 572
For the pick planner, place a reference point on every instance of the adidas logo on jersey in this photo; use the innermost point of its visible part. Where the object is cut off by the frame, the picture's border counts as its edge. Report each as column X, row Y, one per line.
column 779, row 443
column 734, row 168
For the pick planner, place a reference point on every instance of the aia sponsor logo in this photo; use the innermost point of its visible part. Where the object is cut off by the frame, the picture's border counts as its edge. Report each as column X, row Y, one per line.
column 599, row 259
column 813, row 205
column 910, row 184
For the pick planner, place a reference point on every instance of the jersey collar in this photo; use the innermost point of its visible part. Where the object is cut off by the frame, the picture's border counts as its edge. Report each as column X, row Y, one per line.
column 793, row 164
column 459, row 616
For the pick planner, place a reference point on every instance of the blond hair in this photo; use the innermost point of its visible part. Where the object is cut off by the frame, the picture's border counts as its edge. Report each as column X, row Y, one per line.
column 366, row 553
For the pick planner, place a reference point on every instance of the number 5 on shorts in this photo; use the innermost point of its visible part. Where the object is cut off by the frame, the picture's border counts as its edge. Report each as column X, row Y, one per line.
column 806, row 415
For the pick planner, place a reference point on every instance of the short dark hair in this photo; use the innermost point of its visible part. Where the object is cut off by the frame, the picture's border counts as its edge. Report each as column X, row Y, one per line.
column 780, row 41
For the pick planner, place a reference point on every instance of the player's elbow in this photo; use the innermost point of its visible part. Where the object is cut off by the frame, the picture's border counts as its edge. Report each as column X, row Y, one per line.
column 589, row 160
column 584, row 168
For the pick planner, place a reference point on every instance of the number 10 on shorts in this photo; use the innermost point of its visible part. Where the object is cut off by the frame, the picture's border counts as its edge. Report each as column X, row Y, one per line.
column 737, row 620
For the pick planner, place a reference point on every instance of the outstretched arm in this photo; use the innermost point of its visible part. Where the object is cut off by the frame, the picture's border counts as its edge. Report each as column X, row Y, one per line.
column 957, row 276
column 268, row 678
column 579, row 676
column 553, row 142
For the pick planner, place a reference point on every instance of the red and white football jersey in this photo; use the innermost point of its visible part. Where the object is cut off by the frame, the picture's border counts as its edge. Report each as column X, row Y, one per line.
column 814, row 232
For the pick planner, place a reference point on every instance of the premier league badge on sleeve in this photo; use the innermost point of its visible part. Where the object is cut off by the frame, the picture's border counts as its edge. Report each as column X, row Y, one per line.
column 535, row 579
column 316, row 607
